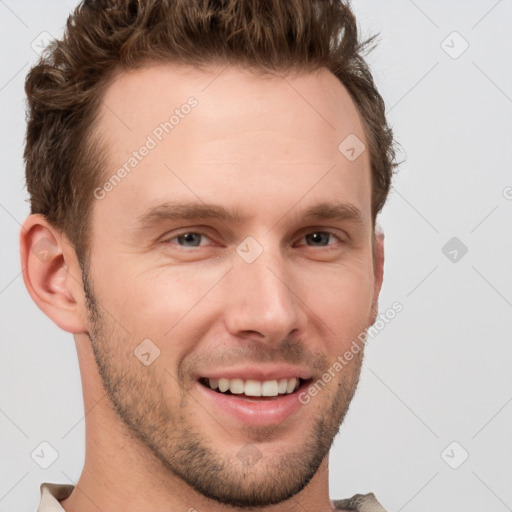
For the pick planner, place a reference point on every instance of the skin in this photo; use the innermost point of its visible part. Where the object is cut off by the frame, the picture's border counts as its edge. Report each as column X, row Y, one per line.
column 264, row 145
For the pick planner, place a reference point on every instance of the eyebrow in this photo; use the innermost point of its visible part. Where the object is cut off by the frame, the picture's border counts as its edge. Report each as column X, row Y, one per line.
column 170, row 210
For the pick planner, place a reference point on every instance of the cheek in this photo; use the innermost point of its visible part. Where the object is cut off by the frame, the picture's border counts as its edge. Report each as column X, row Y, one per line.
column 169, row 307
column 341, row 302
column 136, row 296
column 182, row 302
column 344, row 287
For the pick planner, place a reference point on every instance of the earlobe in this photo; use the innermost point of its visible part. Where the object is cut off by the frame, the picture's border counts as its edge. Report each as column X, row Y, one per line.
column 51, row 273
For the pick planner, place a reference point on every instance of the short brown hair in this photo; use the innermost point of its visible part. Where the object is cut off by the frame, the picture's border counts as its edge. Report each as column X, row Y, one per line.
column 65, row 162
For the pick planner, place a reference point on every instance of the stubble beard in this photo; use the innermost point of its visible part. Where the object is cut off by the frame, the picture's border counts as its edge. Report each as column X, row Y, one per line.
column 138, row 399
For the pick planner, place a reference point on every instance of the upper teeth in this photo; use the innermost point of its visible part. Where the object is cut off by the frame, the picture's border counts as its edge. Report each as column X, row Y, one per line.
column 251, row 387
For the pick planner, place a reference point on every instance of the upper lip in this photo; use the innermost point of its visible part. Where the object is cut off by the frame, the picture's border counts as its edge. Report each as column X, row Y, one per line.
column 261, row 373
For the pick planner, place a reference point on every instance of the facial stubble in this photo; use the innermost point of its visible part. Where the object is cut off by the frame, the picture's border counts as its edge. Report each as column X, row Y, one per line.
column 137, row 396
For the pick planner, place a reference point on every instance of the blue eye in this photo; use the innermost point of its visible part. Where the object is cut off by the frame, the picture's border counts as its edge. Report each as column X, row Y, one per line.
column 191, row 237
column 316, row 236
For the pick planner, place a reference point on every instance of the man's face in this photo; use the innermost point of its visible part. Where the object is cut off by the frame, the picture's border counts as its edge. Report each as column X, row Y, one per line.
column 270, row 296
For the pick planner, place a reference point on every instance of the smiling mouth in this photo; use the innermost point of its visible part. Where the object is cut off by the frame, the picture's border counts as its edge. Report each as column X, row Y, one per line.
column 253, row 389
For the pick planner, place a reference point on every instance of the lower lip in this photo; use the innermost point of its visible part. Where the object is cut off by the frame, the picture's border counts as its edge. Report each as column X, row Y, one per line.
column 257, row 412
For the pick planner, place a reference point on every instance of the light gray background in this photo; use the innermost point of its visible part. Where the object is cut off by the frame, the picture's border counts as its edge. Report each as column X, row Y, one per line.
column 438, row 373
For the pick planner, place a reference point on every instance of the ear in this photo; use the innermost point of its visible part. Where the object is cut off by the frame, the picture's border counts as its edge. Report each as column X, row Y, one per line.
column 378, row 270
column 52, row 274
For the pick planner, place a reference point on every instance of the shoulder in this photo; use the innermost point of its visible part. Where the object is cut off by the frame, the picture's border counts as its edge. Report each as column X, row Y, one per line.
column 51, row 494
column 361, row 503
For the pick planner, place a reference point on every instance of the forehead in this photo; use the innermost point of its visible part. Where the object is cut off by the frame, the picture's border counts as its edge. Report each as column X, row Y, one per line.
column 225, row 134
column 136, row 99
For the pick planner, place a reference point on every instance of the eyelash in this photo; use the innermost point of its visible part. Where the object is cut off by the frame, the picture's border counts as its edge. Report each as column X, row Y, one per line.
column 202, row 233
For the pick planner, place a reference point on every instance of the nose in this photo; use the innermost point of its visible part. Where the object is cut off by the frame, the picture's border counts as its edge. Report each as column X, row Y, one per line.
column 264, row 299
